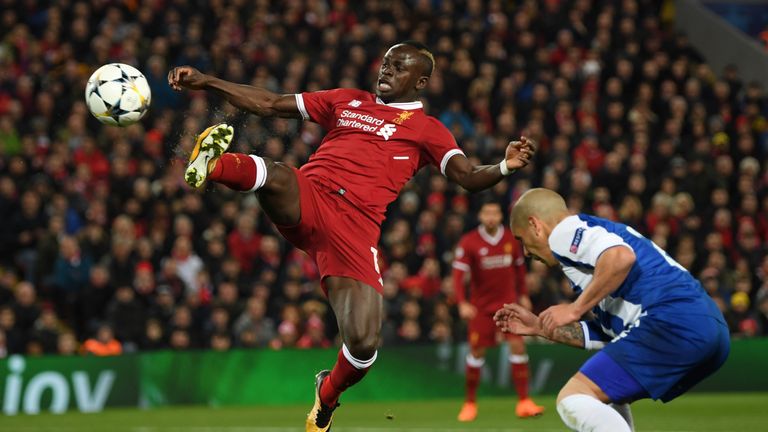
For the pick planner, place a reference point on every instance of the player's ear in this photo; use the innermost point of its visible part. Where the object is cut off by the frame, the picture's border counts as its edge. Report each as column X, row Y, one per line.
column 534, row 225
column 422, row 82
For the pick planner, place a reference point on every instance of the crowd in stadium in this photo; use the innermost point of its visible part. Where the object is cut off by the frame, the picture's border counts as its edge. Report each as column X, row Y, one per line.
column 104, row 249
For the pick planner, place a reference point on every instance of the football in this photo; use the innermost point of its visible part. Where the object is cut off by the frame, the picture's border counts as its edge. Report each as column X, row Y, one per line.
column 118, row 94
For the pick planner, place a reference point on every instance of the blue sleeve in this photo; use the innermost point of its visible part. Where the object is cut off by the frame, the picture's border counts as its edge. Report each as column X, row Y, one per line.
column 594, row 337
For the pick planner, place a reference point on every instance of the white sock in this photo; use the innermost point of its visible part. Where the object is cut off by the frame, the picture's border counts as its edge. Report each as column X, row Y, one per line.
column 584, row 413
column 261, row 173
column 625, row 411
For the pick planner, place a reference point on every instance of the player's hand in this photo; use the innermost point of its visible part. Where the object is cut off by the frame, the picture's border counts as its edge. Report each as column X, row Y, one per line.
column 467, row 311
column 187, row 77
column 513, row 318
column 525, row 302
column 558, row 316
column 520, row 153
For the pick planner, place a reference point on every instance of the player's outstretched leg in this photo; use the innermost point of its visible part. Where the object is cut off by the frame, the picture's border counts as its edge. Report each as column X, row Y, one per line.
column 275, row 182
column 518, row 360
column 359, row 312
column 475, row 361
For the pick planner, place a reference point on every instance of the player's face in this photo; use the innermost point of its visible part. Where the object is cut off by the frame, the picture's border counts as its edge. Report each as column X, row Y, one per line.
column 535, row 243
column 490, row 216
column 401, row 75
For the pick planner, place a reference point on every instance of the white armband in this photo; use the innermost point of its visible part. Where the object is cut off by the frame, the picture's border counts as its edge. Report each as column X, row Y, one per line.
column 503, row 168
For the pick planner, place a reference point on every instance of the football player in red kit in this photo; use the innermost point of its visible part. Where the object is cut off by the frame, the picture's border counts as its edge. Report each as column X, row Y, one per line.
column 496, row 267
column 333, row 206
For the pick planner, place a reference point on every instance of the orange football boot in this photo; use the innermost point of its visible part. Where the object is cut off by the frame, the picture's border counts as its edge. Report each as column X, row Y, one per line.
column 527, row 408
column 468, row 412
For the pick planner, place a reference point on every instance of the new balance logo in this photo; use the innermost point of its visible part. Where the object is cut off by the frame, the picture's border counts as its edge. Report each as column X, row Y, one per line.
column 355, row 103
column 386, row 131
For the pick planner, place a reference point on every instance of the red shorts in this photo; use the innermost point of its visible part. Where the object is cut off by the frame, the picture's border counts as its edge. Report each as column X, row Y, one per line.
column 335, row 233
column 483, row 333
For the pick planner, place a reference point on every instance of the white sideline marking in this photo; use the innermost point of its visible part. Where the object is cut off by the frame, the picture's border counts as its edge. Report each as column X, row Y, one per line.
column 335, row 429
column 287, row 429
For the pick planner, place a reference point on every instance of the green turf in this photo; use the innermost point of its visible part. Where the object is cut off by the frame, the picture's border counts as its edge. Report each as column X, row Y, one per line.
column 692, row 413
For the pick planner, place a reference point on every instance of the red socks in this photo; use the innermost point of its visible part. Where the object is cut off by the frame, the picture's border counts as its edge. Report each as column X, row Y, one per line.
column 241, row 172
column 519, row 371
column 473, row 370
column 347, row 372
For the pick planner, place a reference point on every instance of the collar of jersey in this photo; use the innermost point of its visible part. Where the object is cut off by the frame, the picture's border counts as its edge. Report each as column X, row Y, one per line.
column 402, row 105
column 494, row 240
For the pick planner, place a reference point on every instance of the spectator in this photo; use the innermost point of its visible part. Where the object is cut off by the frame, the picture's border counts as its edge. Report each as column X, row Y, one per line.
column 66, row 344
column 154, row 337
column 180, row 340
column 103, row 344
column 71, row 272
column 680, row 155
column 314, row 334
column 46, row 330
column 244, row 243
column 127, row 316
column 188, row 264
column 253, row 328
column 220, row 341
column 25, row 307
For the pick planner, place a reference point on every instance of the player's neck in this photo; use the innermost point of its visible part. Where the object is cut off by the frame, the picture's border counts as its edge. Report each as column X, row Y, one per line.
column 491, row 231
column 402, row 99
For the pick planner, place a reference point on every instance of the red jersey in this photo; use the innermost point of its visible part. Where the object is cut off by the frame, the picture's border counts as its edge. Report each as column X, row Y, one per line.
column 372, row 149
column 496, row 266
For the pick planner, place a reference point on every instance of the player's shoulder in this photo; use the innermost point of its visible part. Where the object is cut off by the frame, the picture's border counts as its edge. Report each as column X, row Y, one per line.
column 470, row 238
column 434, row 122
column 355, row 97
column 362, row 95
column 567, row 232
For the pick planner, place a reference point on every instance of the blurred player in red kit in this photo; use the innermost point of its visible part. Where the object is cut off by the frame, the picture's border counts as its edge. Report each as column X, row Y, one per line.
column 496, row 267
column 332, row 208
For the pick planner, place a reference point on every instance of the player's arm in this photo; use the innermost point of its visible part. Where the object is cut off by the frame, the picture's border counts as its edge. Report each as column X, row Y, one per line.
column 520, row 275
column 478, row 177
column 611, row 269
column 570, row 334
column 256, row 100
column 513, row 318
column 460, row 270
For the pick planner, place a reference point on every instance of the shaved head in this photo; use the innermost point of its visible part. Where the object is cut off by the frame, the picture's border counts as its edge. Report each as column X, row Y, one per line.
column 543, row 204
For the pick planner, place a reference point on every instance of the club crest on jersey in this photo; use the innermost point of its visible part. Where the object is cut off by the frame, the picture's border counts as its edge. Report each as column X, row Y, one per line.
column 403, row 116
column 386, row 131
column 508, row 247
column 576, row 240
column 355, row 103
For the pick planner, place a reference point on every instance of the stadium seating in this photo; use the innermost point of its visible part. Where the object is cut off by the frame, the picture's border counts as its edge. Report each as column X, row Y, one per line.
column 101, row 240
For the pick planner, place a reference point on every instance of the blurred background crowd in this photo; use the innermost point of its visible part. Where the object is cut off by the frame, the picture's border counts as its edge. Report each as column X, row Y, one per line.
column 104, row 249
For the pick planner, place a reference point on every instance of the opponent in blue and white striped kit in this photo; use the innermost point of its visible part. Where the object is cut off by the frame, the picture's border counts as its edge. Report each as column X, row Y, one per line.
column 658, row 331
column 660, row 326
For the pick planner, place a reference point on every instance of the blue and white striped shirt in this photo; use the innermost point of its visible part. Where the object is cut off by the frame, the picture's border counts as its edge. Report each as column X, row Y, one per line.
column 656, row 282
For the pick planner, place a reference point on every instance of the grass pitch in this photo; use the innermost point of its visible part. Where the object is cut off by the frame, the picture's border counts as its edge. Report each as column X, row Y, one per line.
column 740, row 412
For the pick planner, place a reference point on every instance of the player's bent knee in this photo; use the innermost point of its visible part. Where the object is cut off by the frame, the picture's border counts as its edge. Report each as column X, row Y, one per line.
column 362, row 348
column 279, row 177
column 579, row 384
